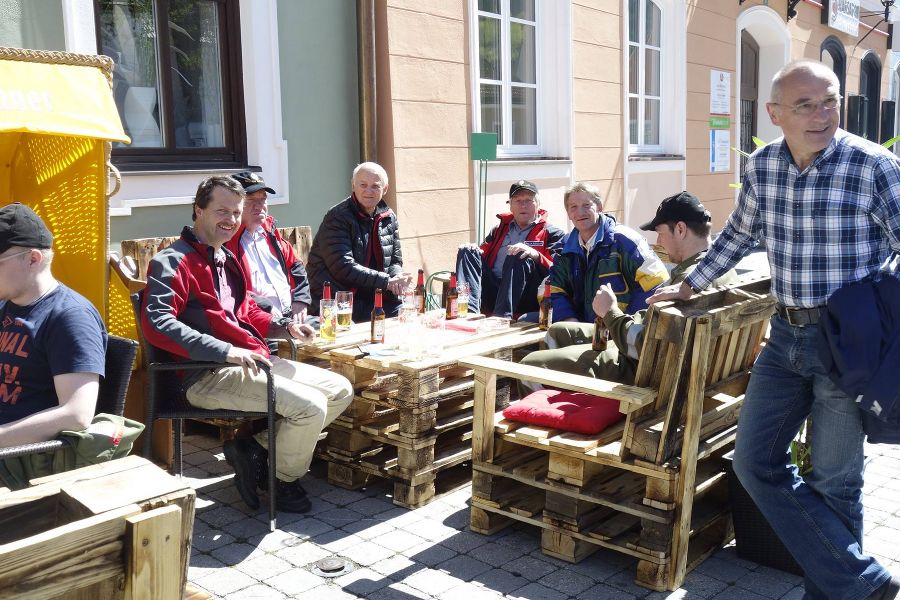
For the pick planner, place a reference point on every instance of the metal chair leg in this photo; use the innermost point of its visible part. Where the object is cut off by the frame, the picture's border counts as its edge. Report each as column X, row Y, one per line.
column 272, row 451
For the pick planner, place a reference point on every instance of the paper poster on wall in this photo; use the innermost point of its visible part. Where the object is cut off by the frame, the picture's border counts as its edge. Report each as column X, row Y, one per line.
column 719, row 150
column 719, row 92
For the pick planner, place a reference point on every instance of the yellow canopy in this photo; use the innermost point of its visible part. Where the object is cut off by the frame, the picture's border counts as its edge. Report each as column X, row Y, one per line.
column 57, row 116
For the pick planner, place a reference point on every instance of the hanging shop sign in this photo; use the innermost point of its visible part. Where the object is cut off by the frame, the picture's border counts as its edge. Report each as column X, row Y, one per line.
column 842, row 15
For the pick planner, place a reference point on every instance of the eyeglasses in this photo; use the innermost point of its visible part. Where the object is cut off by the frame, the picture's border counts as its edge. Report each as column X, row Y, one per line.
column 13, row 255
column 522, row 201
column 805, row 109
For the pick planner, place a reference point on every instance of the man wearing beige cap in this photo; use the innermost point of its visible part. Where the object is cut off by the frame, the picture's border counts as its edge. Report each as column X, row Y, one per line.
column 54, row 347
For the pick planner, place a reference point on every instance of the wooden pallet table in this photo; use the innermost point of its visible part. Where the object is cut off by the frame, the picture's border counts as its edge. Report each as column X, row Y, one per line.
column 411, row 419
column 652, row 487
column 117, row 530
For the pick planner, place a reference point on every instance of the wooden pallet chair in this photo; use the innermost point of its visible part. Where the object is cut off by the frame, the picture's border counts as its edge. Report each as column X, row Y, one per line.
column 651, row 487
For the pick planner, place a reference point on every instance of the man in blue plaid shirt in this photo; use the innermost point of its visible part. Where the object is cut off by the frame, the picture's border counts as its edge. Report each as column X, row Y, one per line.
column 827, row 204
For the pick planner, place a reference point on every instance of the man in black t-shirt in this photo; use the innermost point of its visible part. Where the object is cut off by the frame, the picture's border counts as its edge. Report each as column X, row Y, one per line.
column 52, row 340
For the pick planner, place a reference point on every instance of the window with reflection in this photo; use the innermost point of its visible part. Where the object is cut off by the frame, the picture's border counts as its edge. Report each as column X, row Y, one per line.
column 644, row 75
column 507, row 72
column 176, row 81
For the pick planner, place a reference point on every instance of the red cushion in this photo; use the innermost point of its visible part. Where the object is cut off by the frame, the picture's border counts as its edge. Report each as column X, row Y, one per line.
column 570, row 411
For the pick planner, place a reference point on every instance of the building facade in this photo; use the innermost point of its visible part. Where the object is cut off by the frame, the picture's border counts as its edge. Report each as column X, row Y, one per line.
column 643, row 98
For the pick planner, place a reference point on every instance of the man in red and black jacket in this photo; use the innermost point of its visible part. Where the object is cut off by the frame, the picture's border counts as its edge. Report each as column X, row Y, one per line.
column 505, row 271
column 197, row 306
column 277, row 275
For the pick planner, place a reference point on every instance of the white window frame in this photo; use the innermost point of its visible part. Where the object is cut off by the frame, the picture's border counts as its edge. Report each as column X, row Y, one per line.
column 553, row 54
column 673, row 77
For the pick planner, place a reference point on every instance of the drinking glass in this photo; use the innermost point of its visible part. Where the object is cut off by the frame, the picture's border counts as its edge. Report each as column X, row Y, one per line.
column 344, row 302
column 328, row 320
column 462, row 298
column 434, row 322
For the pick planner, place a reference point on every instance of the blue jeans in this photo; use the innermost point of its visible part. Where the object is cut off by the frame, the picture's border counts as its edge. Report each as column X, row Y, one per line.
column 820, row 517
column 514, row 293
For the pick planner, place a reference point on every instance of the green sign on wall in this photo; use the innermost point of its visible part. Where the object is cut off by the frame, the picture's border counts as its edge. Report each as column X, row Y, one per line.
column 720, row 123
column 483, row 146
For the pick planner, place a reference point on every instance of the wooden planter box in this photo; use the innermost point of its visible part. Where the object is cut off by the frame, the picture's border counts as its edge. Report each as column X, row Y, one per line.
column 117, row 530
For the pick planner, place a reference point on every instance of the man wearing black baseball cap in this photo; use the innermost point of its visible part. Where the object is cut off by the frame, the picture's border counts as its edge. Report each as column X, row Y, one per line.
column 505, row 271
column 55, row 348
column 277, row 275
column 683, row 227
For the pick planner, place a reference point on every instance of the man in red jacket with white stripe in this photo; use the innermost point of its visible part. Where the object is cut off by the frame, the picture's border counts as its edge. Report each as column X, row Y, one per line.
column 505, row 271
column 197, row 306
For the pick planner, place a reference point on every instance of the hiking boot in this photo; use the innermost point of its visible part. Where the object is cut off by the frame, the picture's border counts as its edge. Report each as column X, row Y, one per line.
column 249, row 460
column 291, row 497
column 888, row 591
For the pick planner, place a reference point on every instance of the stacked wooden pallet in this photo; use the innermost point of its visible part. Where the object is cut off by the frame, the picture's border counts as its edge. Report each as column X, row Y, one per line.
column 652, row 487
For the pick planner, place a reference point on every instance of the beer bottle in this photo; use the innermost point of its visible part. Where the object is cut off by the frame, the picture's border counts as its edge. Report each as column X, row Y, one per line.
column 377, row 320
column 326, row 291
column 601, row 335
column 545, row 318
column 420, row 292
column 452, row 296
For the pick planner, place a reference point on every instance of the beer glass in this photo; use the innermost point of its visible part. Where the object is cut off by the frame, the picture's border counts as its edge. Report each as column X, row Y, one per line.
column 462, row 298
column 434, row 322
column 344, row 302
column 327, row 320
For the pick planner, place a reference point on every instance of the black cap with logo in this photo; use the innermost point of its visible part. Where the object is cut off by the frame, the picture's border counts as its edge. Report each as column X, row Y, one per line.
column 683, row 206
column 520, row 185
column 252, row 182
column 20, row 226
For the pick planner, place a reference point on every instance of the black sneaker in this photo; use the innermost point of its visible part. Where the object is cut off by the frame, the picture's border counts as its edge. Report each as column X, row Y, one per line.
column 888, row 591
column 291, row 497
column 248, row 459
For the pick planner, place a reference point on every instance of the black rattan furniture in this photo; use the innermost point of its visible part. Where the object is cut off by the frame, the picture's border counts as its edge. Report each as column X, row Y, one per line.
column 165, row 399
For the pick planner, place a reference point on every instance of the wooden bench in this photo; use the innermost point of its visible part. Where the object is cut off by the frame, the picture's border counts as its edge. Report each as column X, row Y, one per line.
column 651, row 487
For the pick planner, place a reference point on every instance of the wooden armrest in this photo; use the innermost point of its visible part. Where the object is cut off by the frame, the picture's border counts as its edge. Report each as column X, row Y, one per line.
column 630, row 397
column 127, row 272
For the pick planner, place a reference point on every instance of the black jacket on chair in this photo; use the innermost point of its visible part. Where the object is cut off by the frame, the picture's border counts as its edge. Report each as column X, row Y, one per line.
column 341, row 254
column 859, row 344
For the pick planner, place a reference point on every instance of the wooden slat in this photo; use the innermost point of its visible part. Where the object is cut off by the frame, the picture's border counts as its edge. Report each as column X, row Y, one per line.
column 629, row 396
column 153, row 557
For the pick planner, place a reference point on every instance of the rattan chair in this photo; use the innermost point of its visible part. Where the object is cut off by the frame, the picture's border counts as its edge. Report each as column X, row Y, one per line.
column 120, row 353
column 165, row 399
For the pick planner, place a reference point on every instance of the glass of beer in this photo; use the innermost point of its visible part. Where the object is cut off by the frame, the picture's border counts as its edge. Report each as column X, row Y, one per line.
column 434, row 322
column 462, row 299
column 328, row 320
column 344, row 302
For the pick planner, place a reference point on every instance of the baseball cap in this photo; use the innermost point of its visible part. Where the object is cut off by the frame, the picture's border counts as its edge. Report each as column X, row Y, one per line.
column 20, row 226
column 520, row 185
column 683, row 206
column 252, row 182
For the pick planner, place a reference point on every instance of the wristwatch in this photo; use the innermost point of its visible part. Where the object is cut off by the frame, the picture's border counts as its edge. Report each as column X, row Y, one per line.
column 282, row 321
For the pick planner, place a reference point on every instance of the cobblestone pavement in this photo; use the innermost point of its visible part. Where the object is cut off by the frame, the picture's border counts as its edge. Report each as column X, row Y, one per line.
column 429, row 552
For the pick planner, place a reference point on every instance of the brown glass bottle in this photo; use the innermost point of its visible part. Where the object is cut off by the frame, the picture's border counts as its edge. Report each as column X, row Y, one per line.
column 377, row 336
column 420, row 292
column 452, row 297
column 545, row 317
column 601, row 335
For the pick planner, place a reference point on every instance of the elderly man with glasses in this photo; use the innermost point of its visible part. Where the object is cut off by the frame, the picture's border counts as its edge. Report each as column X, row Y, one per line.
column 505, row 271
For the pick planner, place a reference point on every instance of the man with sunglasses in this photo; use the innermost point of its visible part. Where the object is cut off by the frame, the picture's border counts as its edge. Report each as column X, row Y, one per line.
column 505, row 271
column 827, row 204
column 54, row 343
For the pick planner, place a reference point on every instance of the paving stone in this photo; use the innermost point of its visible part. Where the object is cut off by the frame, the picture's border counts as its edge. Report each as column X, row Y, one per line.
column 248, row 527
column 225, row 581
column 366, row 553
column 370, row 507
column 339, row 517
column 221, row 516
column 496, row 554
column 276, row 540
column 469, row 591
column 624, row 580
column 603, row 564
column 235, row 553
column 306, row 528
column 604, row 592
column 202, row 565
column 534, row 591
column 318, row 506
column 430, row 554
column 398, row 591
column 457, row 520
column 341, row 497
column 734, row 592
column 398, row 540
column 400, row 517
column 529, row 567
column 464, row 541
column 326, row 592
column 770, row 583
column 264, row 566
column 257, row 592
column 362, row 582
column 566, row 582
column 199, row 457
column 464, row 568
column 295, row 581
column 722, row 570
column 500, row 581
column 303, row 554
column 433, row 531
column 397, row 567
column 205, row 539
column 432, row 582
column 369, row 528
column 336, row 540
column 700, row 586
column 518, row 538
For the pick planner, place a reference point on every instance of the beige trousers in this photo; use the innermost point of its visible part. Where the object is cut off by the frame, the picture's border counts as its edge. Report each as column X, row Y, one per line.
column 307, row 398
